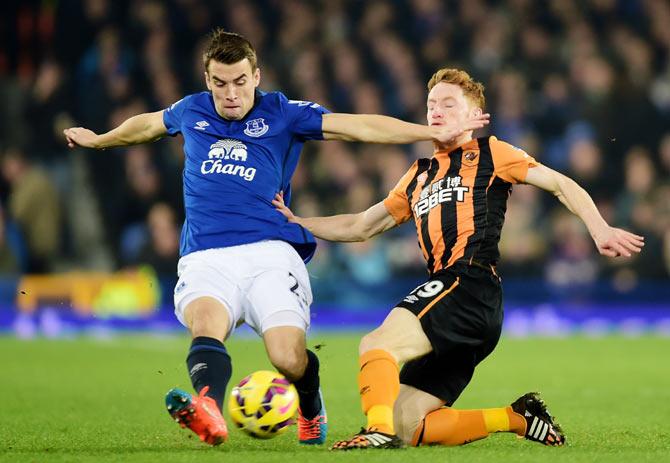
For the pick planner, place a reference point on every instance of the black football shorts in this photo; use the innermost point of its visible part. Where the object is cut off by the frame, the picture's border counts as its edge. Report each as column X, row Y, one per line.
column 460, row 310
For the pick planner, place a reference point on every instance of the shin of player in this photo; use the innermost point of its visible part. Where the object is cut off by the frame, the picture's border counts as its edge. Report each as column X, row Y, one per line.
column 209, row 364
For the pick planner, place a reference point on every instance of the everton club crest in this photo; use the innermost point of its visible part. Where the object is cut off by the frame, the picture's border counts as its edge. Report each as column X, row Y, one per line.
column 256, row 127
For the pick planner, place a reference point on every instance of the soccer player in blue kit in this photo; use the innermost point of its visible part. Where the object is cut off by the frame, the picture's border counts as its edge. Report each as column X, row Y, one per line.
column 241, row 260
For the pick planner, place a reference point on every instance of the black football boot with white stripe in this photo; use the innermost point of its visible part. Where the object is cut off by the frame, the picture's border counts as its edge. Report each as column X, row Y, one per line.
column 540, row 425
column 370, row 439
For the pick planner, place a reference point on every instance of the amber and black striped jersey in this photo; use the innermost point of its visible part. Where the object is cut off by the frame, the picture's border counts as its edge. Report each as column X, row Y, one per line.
column 458, row 199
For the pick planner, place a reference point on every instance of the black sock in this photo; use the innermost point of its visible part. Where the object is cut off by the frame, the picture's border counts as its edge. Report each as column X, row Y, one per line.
column 209, row 364
column 308, row 388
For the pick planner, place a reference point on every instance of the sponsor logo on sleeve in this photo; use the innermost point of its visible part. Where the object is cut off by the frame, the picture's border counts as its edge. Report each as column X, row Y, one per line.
column 301, row 103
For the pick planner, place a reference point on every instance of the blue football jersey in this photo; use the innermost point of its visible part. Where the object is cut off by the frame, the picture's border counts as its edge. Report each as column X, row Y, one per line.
column 233, row 169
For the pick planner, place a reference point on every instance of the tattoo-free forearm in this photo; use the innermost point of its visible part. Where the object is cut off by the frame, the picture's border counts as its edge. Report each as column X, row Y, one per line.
column 579, row 202
column 343, row 227
column 138, row 129
column 375, row 129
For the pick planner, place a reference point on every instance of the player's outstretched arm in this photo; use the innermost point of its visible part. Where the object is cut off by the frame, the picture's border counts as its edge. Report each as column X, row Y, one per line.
column 610, row 241
column 138, row 129
column 344, row 227
column 372, row 128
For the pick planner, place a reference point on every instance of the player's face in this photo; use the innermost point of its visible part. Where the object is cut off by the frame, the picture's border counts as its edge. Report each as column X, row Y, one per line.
column 447, row 103
column 232, row 87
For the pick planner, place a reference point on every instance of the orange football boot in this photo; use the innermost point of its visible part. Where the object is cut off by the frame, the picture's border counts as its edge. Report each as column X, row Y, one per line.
column 198, row 413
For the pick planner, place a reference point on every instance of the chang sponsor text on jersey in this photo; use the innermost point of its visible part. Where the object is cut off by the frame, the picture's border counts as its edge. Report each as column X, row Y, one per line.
column 234, row 168
column 228, row 149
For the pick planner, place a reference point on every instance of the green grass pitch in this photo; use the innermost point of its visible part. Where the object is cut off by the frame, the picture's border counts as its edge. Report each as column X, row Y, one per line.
column 85, row 400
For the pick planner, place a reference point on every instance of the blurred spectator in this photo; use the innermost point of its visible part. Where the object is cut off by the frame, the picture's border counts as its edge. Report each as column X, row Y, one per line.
column 664, row 156
column 161, row 251
column 144, row 189
column 510, row 119
column 47, row 112
column 587, row 167
column 640, row 176
column 34, row 204
column 11, row 247
column 366, row 262
column 582, row 85
column 522, row 243
column 571, row 261
column 640, row 207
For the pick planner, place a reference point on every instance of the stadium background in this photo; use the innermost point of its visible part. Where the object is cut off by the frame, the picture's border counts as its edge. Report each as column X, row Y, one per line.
column 582, row 85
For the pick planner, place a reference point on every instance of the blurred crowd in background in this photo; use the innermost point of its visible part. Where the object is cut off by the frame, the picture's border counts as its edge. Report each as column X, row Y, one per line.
column 583, row 85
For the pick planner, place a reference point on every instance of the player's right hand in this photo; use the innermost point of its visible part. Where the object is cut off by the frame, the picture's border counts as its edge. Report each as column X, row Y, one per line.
column 615, row 242
column 278, row 202
column 79, row 136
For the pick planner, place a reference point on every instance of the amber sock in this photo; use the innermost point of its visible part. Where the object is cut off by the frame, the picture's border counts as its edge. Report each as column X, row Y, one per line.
column 379, row 384
column 449, row 426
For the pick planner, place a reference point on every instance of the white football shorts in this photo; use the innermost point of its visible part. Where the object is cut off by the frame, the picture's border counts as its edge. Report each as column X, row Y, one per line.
column 263, row 284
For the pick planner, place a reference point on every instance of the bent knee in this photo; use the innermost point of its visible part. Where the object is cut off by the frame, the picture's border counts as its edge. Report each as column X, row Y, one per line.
column 207, row 317
column 291, row 365
column 377, row 339
column 402, row 350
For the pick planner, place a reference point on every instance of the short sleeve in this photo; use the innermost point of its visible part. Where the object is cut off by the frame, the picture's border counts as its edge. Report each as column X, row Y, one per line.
column 173, row 114
column 510, row 163
column 397, row 202
column 305, row 119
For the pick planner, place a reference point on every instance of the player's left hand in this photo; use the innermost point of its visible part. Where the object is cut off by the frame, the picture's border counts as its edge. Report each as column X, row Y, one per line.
column 278, row 202
column 447, row 133
column 615, row 242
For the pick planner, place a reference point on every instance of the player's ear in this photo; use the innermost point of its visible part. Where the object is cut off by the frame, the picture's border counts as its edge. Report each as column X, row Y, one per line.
column 207, row 81
column 476, row 111
column 257, row 77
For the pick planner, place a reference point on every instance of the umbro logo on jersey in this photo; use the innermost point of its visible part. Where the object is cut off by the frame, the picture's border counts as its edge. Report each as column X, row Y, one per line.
column 201, row 125
column 256, row 127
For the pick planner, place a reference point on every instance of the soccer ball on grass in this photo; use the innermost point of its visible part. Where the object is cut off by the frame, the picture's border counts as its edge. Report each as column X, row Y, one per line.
column 263, row 404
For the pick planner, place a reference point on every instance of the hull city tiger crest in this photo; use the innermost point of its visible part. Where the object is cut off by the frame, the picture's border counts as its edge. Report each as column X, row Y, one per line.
column 256, row 127
column 470, row 155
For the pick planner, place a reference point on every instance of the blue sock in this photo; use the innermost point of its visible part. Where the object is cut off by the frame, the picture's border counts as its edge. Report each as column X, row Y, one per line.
column 209, row 364
column 308, row 388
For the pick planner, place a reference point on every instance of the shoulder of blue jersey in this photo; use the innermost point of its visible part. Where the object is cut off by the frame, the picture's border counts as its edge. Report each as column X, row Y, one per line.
column 197, row 98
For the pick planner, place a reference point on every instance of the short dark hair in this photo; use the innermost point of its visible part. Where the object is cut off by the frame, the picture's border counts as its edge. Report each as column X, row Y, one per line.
column 228, row 48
